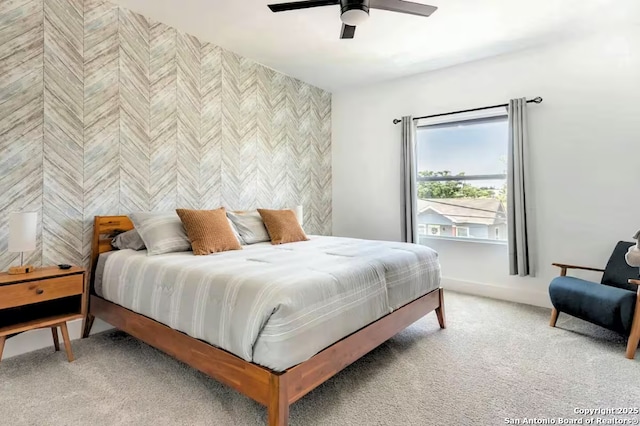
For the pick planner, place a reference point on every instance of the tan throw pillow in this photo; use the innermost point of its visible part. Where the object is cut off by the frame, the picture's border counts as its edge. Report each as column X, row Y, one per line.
column 208, row 230
column 283, row 226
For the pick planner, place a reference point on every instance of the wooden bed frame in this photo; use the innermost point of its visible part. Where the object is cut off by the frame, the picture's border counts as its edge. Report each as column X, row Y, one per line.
column 276, row 390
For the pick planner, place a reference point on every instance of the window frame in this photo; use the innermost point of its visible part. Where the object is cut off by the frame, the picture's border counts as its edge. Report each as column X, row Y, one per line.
column 466, row 228
column 489, row 115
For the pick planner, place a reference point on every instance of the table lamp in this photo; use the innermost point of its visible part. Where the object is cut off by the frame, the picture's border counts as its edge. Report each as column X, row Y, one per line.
column 22, row 237
column 299, row 214
column 633, row 255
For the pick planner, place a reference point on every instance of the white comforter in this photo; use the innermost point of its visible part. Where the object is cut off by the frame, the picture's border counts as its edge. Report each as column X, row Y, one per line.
column 273, row 305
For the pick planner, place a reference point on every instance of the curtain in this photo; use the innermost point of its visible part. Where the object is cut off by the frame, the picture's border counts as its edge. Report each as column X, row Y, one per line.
column 517, row 183
column 409, row 185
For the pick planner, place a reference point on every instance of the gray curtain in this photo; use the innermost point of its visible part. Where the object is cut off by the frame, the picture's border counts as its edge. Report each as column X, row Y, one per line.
column 409, row 185
column 517, row 183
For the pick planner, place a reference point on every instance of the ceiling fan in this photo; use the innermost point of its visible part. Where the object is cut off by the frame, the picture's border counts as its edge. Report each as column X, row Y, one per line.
column 355, row 12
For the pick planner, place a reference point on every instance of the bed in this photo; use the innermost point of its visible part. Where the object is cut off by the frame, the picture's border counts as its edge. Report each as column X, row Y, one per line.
column 273, row 322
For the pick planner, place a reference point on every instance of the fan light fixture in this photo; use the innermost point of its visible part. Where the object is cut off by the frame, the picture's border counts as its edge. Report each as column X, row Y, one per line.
column 354, row 17
column 355, row 12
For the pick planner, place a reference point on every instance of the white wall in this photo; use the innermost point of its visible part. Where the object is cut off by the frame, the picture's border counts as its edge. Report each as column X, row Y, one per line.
column 585, row 155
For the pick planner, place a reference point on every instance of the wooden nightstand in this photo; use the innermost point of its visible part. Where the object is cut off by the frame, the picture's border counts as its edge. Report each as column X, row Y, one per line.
column 45, row 298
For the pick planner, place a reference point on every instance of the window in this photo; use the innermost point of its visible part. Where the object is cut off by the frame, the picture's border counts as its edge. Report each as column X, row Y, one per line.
column 462, row 184
column 422, row 229
column 462, row 231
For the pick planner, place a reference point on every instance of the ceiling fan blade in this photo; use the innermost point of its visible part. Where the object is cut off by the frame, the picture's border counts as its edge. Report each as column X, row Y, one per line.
column 294, row 5
column 348, row 31
column 403, row 7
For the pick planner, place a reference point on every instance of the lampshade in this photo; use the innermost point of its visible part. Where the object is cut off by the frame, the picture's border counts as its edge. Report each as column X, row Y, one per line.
column 299, row 214
column 22, row 231
column 633, row 256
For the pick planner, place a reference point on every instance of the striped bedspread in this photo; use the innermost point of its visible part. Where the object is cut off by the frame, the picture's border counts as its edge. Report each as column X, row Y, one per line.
column 273, row 305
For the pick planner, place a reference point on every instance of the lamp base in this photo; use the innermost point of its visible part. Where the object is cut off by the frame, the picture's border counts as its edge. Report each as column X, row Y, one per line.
column 24, row 269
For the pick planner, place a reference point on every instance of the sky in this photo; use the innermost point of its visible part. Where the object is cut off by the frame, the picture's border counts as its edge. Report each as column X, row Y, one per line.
column 470, row 148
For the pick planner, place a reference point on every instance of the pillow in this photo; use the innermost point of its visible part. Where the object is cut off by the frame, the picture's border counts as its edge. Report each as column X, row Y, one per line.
column 235, row 231
column 283, row 226
column 250, row 227
column 161, row 232
column 128, row 240
column 208, row 230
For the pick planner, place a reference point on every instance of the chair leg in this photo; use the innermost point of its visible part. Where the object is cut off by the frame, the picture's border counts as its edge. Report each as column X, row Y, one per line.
column 634, row 336
column 56, row 342
column 554, row 317
column 2, row 340
column 632, row 346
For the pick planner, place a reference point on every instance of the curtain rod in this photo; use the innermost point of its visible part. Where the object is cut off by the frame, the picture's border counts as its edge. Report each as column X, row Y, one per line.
column 535, row 100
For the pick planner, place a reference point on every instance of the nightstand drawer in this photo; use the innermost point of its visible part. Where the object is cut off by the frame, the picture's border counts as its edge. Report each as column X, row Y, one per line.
column 39, row 291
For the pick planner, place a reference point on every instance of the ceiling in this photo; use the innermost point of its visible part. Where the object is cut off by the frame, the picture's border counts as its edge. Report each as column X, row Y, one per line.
column 305, row 44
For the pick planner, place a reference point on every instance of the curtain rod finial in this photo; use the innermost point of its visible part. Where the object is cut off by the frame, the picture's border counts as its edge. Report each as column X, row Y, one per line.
column 396, row 121
column 537, row 99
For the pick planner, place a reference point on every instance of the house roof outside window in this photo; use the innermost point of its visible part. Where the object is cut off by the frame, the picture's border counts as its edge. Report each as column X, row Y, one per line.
column 482, row 211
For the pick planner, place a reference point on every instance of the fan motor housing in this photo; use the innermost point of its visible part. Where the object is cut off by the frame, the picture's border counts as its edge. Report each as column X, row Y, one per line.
column 346, row 5
column 354, row 12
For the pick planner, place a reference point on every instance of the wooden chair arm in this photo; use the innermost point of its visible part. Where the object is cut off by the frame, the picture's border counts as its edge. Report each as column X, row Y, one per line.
column 564, row 268
column 636, row 282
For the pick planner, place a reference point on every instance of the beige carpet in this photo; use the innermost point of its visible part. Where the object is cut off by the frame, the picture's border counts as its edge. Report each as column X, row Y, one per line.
column 496, row 360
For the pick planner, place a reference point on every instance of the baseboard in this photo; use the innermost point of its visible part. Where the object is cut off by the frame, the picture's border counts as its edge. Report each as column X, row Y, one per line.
column 512, row 294
column 38, row 339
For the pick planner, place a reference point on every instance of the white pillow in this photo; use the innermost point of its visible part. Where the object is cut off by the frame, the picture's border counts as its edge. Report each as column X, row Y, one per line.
column 235, row 230
column 162, row 232
column 250, row 227
column 128, row 240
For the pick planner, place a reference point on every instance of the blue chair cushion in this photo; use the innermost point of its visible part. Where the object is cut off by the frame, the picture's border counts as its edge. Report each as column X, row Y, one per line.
column 606, row 306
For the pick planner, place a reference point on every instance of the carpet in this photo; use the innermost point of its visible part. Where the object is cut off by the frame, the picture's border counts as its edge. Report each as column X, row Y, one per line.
column 495, row 361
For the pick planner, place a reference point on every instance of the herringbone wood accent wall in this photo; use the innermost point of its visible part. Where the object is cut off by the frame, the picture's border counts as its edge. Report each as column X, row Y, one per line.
column 107, row 112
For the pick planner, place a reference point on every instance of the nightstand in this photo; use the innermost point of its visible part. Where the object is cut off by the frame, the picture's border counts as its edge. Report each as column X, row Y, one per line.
column 45, row 298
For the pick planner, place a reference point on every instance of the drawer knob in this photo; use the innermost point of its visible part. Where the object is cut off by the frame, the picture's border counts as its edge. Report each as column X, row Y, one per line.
column 39, row 291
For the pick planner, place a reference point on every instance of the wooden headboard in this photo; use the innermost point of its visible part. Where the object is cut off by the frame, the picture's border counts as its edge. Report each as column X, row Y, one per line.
column 105, row 228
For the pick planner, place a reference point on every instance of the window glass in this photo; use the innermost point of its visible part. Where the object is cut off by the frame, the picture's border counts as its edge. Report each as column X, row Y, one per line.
column 462, row 184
